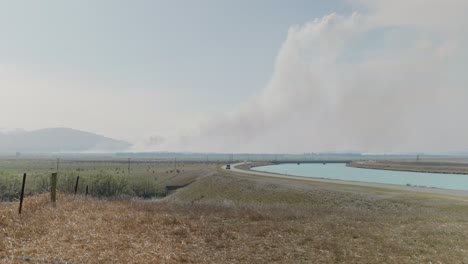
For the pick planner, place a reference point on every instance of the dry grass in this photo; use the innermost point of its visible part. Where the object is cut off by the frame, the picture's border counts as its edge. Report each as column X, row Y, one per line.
column 225, row 218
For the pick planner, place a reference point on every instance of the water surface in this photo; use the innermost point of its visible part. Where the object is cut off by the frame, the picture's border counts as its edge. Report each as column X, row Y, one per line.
column 341, row 172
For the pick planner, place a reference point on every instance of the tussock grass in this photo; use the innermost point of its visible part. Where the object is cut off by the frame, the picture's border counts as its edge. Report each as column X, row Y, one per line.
column 164, row 231
column 345, row 224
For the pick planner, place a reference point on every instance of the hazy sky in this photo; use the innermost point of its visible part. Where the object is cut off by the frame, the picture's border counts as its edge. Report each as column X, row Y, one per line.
column 244, row 76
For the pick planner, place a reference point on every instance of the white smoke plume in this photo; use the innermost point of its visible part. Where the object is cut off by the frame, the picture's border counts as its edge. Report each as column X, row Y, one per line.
column 387, row 80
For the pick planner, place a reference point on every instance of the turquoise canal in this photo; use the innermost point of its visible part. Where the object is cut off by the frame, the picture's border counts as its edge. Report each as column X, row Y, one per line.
column 341, row 172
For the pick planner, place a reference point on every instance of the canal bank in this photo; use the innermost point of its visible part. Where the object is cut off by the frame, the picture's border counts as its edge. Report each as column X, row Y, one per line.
column 440, row 191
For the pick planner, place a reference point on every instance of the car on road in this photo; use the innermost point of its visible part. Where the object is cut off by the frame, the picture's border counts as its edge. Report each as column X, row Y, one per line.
column 228, row 167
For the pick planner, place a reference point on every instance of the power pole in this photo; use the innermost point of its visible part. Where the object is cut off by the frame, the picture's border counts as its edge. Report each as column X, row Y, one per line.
column 58, row 161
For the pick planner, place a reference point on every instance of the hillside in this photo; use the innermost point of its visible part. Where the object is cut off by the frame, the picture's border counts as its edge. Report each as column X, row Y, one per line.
column 58, row 140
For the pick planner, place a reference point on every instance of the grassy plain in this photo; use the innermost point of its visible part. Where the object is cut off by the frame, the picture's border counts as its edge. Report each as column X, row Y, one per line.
column 225, row 217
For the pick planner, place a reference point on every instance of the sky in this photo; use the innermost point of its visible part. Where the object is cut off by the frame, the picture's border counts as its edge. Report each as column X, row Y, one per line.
column 240, row 76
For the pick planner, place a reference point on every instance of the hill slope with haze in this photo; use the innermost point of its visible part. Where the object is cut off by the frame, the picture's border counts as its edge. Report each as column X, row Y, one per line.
column 58, row 140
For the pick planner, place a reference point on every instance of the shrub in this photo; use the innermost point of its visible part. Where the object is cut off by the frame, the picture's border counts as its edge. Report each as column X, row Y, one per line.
column 107, row 185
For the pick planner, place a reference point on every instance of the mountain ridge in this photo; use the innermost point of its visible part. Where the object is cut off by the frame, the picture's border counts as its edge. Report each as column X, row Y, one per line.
column 59, row 139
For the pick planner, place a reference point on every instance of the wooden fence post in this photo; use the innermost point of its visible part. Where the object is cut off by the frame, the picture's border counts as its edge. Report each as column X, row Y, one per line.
column 76, row 185
column 53, row 188
column 22, row 194
column 86, row 195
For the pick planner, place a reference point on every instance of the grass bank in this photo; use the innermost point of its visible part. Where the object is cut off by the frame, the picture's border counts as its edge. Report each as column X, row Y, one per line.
column 428, row 166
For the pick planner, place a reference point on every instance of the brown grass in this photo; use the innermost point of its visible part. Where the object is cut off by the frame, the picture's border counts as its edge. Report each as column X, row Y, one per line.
column 242, row 220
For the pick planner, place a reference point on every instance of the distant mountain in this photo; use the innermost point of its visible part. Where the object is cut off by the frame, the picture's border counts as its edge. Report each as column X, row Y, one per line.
column 58, row 140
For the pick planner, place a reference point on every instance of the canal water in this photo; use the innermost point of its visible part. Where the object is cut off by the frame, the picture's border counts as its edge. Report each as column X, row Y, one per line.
column 339, row 171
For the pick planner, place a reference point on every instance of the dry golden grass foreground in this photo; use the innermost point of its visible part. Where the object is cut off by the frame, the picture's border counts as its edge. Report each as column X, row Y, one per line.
column 242, row 219
column 99, row 231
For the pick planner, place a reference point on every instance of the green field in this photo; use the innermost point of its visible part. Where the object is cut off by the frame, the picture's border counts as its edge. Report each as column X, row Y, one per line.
column 104, row 178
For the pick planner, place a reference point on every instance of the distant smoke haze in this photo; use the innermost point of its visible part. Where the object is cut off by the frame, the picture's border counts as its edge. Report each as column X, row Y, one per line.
column 389, row 78
column 382, row 81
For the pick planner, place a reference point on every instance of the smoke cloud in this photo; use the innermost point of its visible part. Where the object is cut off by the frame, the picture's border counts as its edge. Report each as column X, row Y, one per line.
column 387, row 80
